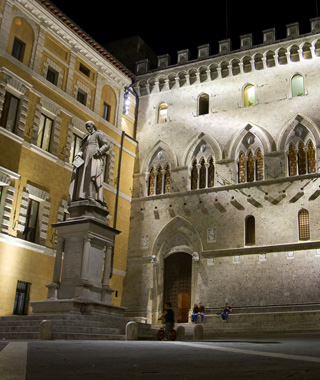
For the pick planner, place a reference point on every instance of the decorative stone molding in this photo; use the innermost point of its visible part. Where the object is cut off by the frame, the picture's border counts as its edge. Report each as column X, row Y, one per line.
column 19, row 88
column 49, row 63
column 42, row 197
column 48, row 108
column 6, row 205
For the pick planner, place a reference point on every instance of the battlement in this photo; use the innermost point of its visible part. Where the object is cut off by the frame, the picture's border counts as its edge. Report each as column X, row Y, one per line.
column 225, row 47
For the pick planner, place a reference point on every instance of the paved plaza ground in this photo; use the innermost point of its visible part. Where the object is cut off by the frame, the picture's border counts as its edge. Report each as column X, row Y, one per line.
column 291, row 357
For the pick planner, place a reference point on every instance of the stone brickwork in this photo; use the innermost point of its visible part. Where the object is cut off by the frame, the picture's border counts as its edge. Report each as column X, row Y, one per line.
column 262, row 179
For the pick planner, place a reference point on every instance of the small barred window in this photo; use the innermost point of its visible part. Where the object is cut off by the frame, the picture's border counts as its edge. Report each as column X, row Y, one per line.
column 304, row 226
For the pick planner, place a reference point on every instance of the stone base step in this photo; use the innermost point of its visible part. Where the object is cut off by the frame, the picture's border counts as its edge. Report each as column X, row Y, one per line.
column 19, row 335
column 246, row 324
column 77, row 336
column 66, row 327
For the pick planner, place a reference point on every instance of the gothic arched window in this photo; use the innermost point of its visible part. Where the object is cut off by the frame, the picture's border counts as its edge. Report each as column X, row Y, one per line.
column 167, row 180
column 292, row 161
column 211, row 173
column 203, row 175
column 250, row 168
column 302, row 164
column 259, row 166
column 194, row 175
column 159, row 181
column 311, row 155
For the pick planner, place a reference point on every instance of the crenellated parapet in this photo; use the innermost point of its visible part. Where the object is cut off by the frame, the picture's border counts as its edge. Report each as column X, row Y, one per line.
column 227, row 62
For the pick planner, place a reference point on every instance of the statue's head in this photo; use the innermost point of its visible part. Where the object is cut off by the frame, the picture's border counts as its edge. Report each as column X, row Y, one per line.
column 90, row 126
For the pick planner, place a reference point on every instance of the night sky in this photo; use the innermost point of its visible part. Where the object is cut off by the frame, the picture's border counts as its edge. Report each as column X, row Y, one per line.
column 168, row 28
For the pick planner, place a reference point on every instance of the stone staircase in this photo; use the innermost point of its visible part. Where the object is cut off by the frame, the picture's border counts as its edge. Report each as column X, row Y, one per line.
column 68, row 327
column 242, row 322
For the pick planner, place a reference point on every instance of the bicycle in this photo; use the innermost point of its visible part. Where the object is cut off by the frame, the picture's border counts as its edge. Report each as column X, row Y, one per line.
column 172, row 333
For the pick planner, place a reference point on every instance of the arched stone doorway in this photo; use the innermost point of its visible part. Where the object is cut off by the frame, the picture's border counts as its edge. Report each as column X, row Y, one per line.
column 177, row 284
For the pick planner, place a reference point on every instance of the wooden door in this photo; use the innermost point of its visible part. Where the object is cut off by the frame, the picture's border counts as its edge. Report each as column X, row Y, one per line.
column 177, row 284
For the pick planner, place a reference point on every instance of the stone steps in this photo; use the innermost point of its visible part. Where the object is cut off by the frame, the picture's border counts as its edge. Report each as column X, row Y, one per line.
column 78, row 327
column 307, row 321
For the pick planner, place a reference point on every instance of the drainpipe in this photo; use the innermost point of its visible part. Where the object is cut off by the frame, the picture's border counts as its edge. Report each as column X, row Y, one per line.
column 119, row 167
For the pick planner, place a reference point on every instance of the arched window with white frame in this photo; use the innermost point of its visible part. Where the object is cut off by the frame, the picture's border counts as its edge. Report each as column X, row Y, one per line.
column 297, row 85
column 249, row 95
column 162, row 113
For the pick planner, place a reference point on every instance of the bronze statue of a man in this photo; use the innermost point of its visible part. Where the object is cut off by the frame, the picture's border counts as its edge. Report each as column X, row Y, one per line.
column 89, row 167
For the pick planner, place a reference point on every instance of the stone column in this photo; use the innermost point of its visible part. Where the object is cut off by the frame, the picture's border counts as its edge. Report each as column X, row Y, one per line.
column 264, row 62
column 194, row 278
column 288, row 55
column 156, row 173
column 154, row 262
column 207, row 174
column 163, row 174
column 241, row 67
column 198, row 179
column 147, row 184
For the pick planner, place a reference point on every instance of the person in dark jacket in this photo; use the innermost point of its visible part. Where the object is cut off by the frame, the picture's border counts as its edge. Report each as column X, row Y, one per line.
column 225, row 312
column 168, row 317
column 195, row 313
column 201, row 311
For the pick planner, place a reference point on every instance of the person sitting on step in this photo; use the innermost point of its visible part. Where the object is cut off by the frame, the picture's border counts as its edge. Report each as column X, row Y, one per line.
column 226, row 310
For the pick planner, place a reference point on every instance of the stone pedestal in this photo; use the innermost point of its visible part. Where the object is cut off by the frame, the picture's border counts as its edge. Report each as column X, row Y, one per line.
column 83, row 264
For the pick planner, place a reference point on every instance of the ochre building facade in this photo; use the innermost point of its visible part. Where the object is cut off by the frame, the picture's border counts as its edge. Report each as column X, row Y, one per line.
column 54, row 78
column 226, row 186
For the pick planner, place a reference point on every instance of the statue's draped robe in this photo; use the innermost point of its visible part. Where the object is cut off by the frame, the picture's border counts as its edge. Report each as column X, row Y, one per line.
column 87, row 180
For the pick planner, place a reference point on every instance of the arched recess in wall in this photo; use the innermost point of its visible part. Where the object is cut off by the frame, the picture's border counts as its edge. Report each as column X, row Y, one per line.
column 108, row 104
column 21, row 39
column 203, row 104
column 178, row 237
column 198, row 144
column 176, row 234
column 298, row 127
column 300, row 144
column 167, row 154
column 267, row 142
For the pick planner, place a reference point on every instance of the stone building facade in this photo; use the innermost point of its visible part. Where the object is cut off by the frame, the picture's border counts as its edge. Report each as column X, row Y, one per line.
column 54, row 78
column 227, row 183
